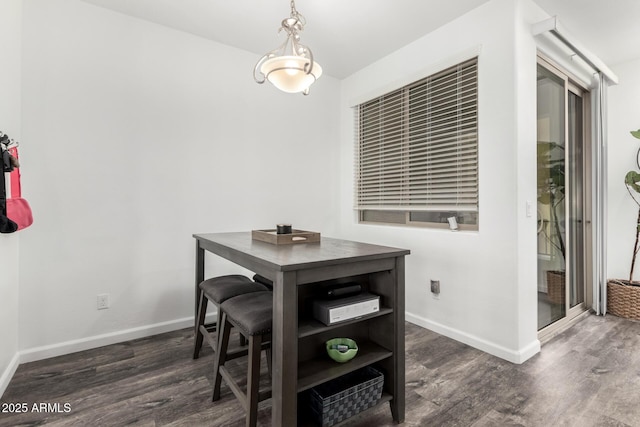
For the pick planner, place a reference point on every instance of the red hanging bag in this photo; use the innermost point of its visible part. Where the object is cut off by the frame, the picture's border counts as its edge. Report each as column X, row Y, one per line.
column 18, row 209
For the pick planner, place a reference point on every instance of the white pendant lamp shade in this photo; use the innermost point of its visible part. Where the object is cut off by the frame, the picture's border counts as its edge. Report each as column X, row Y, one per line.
column 288, row 73
column 290, row 67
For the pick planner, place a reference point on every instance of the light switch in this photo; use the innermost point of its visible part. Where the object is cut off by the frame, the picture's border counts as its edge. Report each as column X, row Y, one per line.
column 529, row 209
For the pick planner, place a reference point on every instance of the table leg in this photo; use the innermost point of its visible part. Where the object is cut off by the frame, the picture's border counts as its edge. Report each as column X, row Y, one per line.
column 398, row 401
column 199, row 274
column 284, row 350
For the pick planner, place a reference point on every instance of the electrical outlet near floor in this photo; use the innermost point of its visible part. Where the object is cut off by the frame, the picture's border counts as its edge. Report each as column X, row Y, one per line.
column 435, row 286
column 103, row 301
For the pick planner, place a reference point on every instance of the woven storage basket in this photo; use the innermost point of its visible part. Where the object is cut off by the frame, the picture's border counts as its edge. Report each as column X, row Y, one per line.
column 556, row 286
column 623, row 299
column 346, row 396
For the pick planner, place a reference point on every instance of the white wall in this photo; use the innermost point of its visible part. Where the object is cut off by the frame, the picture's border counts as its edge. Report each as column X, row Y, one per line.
column 488, row 278
column 624, row 116
column 138, row 136
column 525, row 97
column 10, row 40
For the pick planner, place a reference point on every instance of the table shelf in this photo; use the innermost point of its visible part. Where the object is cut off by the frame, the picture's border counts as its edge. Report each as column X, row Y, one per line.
column 308, row 327
column 323, row 369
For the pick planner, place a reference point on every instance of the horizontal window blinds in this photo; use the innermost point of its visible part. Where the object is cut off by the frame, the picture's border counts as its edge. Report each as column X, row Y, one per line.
column 417, row 147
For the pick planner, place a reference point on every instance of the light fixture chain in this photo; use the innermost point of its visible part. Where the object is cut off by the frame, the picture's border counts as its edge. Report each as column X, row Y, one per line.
column 297, row 15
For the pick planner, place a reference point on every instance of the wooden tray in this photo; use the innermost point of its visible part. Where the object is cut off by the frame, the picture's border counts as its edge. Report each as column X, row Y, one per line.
column 296, row 236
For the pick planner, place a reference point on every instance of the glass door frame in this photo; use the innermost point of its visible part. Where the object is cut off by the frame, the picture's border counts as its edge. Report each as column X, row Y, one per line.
column 573, row 314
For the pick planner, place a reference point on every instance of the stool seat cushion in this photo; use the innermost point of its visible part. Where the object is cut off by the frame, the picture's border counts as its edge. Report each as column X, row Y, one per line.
column 219, row 289
column 252, row 313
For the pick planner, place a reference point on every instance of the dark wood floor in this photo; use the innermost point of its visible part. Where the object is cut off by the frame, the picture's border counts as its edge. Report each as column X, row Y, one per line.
column 587, row 376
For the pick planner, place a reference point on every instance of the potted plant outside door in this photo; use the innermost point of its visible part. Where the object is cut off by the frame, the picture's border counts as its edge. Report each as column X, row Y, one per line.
column 623, row 296
column 551, row 194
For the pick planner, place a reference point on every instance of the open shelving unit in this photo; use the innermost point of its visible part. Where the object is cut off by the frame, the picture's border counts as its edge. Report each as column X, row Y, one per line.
column 315, row 367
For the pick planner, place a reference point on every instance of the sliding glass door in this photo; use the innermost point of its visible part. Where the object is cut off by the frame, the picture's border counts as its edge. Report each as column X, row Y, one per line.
column 562, row 156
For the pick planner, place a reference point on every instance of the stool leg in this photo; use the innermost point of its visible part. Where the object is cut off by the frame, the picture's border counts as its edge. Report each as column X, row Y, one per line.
column 224, row 329
column 202, row 312
column 253, row 379
column 218, row 328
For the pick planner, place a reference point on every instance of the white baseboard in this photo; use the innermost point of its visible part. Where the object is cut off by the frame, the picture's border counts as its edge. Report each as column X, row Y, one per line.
column 8, row 373
column 67, row 347
column 514, row 356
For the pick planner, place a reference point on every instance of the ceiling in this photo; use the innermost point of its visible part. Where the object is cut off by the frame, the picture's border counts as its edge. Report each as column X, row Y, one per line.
column 347, row 35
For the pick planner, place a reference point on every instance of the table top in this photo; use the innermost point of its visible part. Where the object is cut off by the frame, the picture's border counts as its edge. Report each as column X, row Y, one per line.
column 295, row 256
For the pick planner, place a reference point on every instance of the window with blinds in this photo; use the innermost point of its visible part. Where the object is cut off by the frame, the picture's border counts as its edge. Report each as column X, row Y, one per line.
column 417, row 151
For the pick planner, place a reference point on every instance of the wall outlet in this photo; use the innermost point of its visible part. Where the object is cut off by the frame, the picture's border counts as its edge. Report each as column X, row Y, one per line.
column 435, row 286
column 103, row 301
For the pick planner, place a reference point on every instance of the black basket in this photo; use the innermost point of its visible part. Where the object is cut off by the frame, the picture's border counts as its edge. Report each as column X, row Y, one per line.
column 346, row 396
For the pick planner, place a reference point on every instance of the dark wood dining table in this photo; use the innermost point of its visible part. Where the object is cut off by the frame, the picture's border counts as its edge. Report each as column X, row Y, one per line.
column 296, row 270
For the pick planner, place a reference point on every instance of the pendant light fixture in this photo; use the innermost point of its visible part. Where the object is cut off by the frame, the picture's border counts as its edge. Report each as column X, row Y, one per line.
column 290, row 67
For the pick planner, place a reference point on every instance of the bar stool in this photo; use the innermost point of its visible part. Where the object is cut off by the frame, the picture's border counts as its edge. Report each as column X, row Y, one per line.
column 218, row 290
column 252, row 315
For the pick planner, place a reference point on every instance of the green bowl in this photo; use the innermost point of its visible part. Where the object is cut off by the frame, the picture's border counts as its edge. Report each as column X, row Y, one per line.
column 344, row 354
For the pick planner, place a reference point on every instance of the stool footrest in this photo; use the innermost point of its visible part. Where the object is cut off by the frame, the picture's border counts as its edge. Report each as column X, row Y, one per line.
column 237, row 352
column 210, row 337
column 231, row 353
column 239, row 392
column 264, row 395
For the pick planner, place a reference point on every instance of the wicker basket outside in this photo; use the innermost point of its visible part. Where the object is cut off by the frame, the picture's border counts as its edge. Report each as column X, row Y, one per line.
column 623, row 299
column 556, row 286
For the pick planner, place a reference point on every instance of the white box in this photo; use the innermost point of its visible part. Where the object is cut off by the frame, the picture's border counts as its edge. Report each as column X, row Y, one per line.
column 334, row 311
